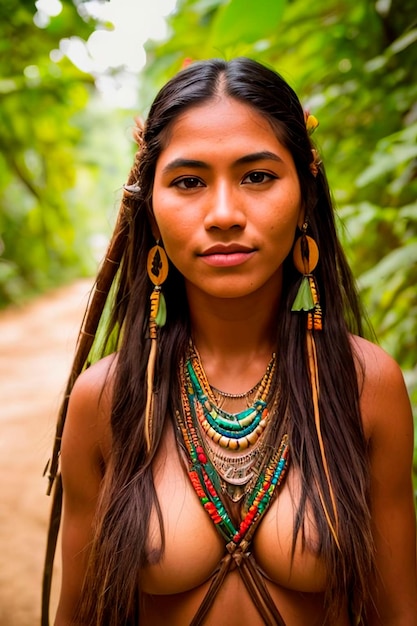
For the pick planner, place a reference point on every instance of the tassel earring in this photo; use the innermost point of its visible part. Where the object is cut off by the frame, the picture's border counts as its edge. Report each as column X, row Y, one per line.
column 306, row 257
column 157, row 268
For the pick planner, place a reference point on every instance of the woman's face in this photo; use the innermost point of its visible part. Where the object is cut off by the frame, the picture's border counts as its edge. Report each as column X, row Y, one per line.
column 226, row 200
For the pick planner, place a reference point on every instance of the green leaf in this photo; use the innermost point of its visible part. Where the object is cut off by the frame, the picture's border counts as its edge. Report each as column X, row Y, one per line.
column 161, row 315
column 244, row 21
column 392, row 263
column 304, row 299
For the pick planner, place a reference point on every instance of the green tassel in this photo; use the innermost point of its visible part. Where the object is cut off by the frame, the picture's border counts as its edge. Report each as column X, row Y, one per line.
column 304, row 299
column 161, row 316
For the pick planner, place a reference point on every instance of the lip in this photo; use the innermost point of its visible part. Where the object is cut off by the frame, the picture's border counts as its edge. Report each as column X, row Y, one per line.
column 227, row 255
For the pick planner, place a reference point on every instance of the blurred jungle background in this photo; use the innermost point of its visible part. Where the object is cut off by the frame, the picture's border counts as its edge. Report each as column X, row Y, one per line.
column 68, row 98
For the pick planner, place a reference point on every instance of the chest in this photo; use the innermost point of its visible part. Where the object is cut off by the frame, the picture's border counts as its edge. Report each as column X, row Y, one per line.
column 194, row 548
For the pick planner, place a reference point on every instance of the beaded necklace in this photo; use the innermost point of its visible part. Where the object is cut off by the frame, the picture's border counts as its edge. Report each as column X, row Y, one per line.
column 205, row 479
column 236, row 431
column 222, row 396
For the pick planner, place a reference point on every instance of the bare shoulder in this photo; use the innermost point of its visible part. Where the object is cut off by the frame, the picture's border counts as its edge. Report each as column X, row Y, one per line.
column 88, row 417
column 96, row 377
column 85, row 452
column 383, row 394
column 376, row 365
column 388, row 425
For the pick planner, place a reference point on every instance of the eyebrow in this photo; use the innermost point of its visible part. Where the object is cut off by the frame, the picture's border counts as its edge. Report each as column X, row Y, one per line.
column 180, row 162
column 264, row 155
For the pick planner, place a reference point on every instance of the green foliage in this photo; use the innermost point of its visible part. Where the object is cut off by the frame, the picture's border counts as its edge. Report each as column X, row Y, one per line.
column 354, row 63
column 47, row 177
column 37, row 101
column 230, row 22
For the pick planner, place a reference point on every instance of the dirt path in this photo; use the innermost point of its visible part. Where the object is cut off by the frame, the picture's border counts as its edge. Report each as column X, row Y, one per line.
column 36, row 348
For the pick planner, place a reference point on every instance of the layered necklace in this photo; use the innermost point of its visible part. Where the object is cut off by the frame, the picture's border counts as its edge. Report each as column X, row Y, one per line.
column 226, row 452
column 233, row 431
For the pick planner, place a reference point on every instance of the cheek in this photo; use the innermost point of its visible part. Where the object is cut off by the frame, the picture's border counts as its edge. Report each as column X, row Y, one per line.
column 176, row 225
column 165, row 218
column 173, row 232
column 284, row 226
column 282, row 235
column 175, row 235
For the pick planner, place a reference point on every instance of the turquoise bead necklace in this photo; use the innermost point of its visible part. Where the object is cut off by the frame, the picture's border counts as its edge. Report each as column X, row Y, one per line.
column 236, row 431
column 203, row 475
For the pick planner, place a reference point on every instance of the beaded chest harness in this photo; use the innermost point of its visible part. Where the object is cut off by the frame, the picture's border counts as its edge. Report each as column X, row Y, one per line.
column 236, row 432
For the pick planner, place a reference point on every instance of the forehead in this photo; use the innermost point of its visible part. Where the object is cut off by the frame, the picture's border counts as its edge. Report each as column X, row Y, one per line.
column 221, row 121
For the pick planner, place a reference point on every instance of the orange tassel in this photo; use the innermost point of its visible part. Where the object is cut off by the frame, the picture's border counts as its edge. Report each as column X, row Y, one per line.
column 315, row 318
column 157, row 268
column 315, row 389
column 149, row 394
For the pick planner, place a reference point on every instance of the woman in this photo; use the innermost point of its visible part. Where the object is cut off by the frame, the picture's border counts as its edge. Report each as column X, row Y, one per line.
column 244, row 456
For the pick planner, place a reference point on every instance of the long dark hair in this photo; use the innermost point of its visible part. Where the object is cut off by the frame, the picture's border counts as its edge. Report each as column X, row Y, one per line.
column 128, row 496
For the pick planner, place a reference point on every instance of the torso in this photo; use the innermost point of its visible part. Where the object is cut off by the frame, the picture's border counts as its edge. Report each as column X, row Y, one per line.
column 174, row 587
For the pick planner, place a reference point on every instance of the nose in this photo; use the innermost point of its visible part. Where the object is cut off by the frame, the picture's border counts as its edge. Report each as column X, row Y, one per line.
column 224, row 209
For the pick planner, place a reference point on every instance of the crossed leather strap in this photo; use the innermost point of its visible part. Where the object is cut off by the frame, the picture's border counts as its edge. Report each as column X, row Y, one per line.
column 239, row 556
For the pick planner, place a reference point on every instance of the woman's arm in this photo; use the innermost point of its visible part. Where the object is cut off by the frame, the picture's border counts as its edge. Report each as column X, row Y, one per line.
column 85, row 446
column 388, row 421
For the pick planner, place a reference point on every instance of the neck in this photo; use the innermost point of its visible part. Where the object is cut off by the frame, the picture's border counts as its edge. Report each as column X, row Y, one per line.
column 235, row 337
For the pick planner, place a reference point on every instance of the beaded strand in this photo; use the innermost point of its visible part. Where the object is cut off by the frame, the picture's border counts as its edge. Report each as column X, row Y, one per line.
column 205, row 480
column 261, row 496
column 236, row 431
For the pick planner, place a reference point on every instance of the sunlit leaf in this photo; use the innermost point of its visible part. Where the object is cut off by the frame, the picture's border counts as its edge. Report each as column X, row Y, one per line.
column 393, row 262
column 246, row 22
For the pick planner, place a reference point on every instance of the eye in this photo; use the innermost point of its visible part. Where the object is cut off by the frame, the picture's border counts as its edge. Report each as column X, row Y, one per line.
column 187, row 182
column 256, row 178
